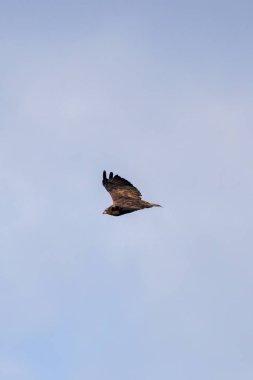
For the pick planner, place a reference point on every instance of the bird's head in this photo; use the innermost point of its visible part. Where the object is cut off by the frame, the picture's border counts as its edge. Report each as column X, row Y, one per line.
column 114, row 211
column 107, row 211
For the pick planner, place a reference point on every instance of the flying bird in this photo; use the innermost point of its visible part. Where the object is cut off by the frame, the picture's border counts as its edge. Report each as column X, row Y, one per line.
column 126, row 198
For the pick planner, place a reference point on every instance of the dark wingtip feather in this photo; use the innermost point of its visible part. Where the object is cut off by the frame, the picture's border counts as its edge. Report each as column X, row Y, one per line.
column 104, row 178
column 111, row 175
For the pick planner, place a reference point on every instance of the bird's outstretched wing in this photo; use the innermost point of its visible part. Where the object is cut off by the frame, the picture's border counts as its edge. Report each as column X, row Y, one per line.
column 119, row 188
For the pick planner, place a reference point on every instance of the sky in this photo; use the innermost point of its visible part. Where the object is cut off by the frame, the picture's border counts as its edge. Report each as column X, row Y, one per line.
column 159, row 92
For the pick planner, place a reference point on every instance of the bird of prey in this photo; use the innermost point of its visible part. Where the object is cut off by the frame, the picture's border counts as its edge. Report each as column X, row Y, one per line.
column 126, row 198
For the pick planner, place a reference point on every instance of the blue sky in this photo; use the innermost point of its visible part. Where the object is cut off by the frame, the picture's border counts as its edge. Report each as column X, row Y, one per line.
column 159, row 92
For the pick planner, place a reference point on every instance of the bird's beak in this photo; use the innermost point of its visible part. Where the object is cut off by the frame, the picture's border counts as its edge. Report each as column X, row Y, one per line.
column 104, row 212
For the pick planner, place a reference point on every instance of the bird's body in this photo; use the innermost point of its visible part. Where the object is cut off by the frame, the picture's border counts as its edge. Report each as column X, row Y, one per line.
column 126, row 198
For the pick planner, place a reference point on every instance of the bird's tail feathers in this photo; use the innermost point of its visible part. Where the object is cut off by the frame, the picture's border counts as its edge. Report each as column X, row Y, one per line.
column 155, row 205
column 148, row 204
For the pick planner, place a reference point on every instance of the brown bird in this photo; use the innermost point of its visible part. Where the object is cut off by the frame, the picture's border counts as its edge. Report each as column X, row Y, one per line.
column 126, row 198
